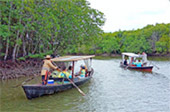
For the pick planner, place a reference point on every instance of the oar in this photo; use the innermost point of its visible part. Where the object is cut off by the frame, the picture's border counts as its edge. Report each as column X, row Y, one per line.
column 126, row 67
column 24, row 82
column 155, row 65
column 74, row 84
column 77, row 87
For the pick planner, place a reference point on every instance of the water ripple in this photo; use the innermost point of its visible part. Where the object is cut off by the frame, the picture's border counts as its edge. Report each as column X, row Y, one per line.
column 112, row 89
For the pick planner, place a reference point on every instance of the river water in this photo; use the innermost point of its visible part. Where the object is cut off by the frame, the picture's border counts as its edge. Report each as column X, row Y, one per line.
column 112, row 89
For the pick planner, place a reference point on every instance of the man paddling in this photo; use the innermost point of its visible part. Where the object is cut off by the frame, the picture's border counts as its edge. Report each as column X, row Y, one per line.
column 46, row 68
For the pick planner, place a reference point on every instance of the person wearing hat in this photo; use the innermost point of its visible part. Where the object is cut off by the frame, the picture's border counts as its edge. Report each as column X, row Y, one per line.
column 46, row 68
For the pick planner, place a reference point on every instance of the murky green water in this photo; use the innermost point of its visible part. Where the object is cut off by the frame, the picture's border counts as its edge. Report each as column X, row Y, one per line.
column 112, row 89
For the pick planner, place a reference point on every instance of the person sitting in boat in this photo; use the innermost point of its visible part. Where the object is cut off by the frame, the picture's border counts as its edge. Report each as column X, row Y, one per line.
column 65, row 73
column 125, row 62
column 86, row 74
column 134, row 63
column 46, row 68
column 82, row 72
column 55, row 74
column 70, row 68
column 139, row 64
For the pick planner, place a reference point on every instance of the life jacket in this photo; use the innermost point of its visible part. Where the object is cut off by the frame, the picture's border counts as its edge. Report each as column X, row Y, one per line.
column 63, row 74
column 134, row 63
column 83, row 73
column 66, row 73
column 139, row 64
column 55, row 74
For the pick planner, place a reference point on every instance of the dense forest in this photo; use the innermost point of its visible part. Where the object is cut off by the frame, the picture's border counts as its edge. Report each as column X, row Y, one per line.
column 35, row 28
column 150, row 39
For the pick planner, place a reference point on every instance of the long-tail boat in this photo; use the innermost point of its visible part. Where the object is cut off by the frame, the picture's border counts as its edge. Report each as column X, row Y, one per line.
column 129, row 62
column 37, row 90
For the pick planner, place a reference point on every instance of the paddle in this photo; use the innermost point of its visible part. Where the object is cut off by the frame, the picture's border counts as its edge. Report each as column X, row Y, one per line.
column 74, row 84
column 27, row 80
column 154, row 65
column 126, row 67
column 76, row 87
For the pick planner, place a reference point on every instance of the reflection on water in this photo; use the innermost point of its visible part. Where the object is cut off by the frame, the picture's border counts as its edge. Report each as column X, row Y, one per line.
column 112, row 89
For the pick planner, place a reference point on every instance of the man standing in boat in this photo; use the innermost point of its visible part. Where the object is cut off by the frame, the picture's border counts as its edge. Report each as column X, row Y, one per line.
column 46, row 68
column 144, row 58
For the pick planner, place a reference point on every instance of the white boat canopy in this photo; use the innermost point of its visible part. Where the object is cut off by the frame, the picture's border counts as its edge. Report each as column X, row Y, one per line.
column 71, row 58
column 132, row 55
column 68, row 59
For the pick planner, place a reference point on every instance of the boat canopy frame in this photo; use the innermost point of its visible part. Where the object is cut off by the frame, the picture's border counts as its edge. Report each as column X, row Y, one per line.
column 72, row 59
column 130, row 55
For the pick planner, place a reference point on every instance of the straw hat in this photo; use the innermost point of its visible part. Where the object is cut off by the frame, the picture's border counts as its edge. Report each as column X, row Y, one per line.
column 48, row 56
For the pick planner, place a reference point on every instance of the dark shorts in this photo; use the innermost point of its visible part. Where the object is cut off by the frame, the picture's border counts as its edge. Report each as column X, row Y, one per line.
column 44, row 82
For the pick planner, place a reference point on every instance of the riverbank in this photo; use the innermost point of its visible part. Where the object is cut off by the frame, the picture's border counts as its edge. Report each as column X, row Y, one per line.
column 17, row 69
column 32, row 67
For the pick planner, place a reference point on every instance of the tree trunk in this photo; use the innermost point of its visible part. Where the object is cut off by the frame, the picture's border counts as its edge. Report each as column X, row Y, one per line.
column 15, row 48
column 16, row 44
column 7, row 47
column 7, row 41
column 17, row 51
column 24, row 47
column 36, row 46
column 14, row 52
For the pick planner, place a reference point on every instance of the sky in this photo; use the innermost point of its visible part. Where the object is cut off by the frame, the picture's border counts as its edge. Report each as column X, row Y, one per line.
column 132, row 14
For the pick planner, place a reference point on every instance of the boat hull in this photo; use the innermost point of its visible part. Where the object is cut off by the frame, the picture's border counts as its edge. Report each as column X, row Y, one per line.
column 37, row 90
column 144, row 69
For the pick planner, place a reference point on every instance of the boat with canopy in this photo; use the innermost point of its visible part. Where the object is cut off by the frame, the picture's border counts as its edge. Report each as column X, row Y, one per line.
column 135, row 62
column 37, row 90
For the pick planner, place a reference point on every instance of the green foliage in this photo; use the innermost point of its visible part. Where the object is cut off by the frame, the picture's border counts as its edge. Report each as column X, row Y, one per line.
column 35, row 56
column 32, row 27
column 109, row 44
column 163, row 45
column 40, row 55
column 2, row 54
column 150, row 39
column 21, row 58
column 35, row 28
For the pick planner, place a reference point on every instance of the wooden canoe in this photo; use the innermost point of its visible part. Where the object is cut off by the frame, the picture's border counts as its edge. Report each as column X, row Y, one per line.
column 37, row 90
